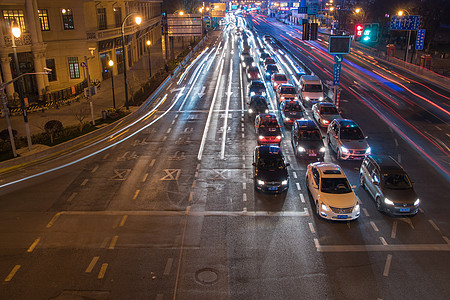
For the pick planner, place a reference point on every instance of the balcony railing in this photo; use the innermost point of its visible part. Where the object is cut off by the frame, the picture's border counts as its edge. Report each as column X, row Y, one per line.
column 106, row 34
column 23, row 40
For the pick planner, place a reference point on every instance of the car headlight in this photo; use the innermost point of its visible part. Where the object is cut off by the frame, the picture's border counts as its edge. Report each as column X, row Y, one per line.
column 344, row 150
column 250, row 110
column 278, row 137
column 261, row 137
column 356, row 208
column 387, row 201
column 320, row 98
column 287, row 119
column 243, row 65
column 284, row 182
column 266, row 111
column 252, row 93
column 324, row 207
column 301, row 149
column 263, row 93
column 322, row 149
column 325, row 121
column 417, row 202
column 260, row 182
column 368, row 150
column 306, row 98
column 295, row 98
column 282, row 98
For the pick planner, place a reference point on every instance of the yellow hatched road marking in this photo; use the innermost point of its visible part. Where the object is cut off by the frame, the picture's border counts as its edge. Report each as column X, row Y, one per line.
column 12, row 273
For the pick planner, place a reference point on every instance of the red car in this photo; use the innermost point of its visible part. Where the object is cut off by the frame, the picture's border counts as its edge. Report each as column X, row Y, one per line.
column 253, row 73
column 267, row 129
column 278, row 78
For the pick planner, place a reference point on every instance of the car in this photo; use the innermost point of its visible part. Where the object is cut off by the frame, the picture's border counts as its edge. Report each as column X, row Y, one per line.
column 247, row 61
column 286, row 91
column 311, row 89
column 307, row 141
column 347, row 140
column 253, row 73
column 257, row 105
column 269, row 61
column 263, row 56
column 389, row 185
column 256, row 87
column 331, row 193
column 290, row 110
column 267, row 129
column 278, row 78
column 270, row 69
column 298, row 71
column 270, row 173
column 324, row 113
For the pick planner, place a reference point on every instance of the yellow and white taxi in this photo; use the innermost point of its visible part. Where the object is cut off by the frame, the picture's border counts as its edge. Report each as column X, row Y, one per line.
column 331, row 192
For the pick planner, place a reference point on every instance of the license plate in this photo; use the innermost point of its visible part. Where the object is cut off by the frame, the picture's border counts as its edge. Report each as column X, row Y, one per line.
column 342, row 216
column 404, row 209
column 312, row 154
column 272, row 188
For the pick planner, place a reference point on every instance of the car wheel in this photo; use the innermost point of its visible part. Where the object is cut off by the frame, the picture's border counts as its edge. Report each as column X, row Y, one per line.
column 338, row 155
column 378, row 204
column 361, row 181
column 317, row 209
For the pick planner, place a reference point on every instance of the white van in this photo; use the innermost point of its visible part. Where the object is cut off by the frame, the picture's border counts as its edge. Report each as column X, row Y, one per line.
column 311, row 89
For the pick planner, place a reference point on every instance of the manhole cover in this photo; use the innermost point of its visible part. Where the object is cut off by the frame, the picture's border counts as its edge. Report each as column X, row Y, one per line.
column 206, row 276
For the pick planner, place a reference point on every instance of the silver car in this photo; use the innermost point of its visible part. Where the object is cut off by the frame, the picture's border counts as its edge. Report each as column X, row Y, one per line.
column 324, row 113
column 347, row 140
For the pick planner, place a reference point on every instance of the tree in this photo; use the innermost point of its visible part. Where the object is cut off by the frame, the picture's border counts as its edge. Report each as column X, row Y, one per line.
column 52, row 128
column 80, row 115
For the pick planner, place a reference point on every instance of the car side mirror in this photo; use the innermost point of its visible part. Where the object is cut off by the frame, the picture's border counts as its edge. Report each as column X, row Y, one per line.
column 366, row 137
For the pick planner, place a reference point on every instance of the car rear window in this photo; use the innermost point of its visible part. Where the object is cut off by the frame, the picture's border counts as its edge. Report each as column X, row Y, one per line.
column 258, row 84
column 329, row 110
column 280, row 77
column 287, row 90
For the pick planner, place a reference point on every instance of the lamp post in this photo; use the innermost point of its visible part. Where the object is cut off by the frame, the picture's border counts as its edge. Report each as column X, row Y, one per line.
column 138, row 21
column 401, row 13
column 149, row 44
column 16, row 32
column 111, row 64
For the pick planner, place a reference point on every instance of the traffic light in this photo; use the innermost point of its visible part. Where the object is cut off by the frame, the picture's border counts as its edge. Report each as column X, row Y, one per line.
column 305, row 34
column 358, row 31
column 314, row 29
column 367, row 33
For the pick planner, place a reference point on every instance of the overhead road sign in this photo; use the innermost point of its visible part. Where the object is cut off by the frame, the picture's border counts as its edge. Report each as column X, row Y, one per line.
column 302, row 10
column 339, row 44
column 405, row 22
column 186, row 25
column 420, row 39
column 337, row 74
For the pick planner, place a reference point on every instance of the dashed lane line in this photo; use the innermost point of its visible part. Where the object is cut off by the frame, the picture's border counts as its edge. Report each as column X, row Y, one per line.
column 124, row 219
column 112, row 245
column 12, row 273
column 375, row 228
column 394, row 230
column 92, row 264
column 102, row 272
column 387, row 266
column 36, row 241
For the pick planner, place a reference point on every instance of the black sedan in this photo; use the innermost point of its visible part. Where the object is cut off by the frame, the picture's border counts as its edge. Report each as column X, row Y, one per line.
column 256, row 87
column 257, row 105
column 269, row 170
column 270, row 69
column 307, row 140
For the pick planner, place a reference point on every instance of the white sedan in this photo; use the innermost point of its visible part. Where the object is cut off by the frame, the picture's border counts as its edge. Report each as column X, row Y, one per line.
column 331, row 192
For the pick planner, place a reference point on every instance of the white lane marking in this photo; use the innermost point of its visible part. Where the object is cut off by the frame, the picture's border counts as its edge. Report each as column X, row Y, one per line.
column 152, row 163
column 168, row 266
column 446, row 239
column 92, row 264
column 36, row 241
column 306, row 212
column 72, row 197
column 294, row 174
column 94, row 169
column 372, row 223
column 244, row 197
column 198, row 167
column 164, row 138
column 169, row 130
column 434, row 225
column 302, row 198
column 311, row 228
column 366, row 212
column 298, row 186
column 383, row 241
column 124, row 219
column 244, row 185
column 242, row 91
column 84, row 182
column 244, row 210
column 394, row 229
column 243, row 166
column 145, row 177
column 113, row 242
column 438, row 128
column 316, row 242
column 399, row 158
column 173, row 122
column 387, row 266
column 227, row 108
column 243, row 135
column 208, row 121
column 396, row 142
column 383, row 248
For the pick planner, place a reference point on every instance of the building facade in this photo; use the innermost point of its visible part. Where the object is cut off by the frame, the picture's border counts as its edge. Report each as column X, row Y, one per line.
column 69, row 37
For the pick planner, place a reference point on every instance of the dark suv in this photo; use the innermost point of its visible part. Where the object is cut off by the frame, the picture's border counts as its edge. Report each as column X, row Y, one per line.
column 389, row 185
column 307, row 140
column 290, row 111
column 257, row 105
column 269, row 169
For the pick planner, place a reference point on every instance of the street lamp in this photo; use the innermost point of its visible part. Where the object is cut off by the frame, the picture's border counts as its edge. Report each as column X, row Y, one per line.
column 16, row 32
column 111, row 64
column 138, row 21
column 400, row 14
column 149, row 43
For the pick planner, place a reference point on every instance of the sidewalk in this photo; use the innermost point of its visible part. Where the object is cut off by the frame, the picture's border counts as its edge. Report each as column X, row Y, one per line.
column 69, row 115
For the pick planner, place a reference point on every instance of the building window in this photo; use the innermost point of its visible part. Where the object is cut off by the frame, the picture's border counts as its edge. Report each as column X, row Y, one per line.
column 118, row 16
column 43, row 19
column 67, row 17
column 11, row 15
column 101, row 18
column 73, row 67
column 51, row 65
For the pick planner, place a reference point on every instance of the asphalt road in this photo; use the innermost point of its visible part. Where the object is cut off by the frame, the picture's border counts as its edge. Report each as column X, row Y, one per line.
column 164, row 206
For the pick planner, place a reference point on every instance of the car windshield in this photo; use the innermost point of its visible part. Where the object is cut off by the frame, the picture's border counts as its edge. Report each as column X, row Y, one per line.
column 287, row 90
column 353, row 133
column 269, row 123
column 314, row 88
column 253, row 69
column 272, row 68
column 328, row 110
column 257, row 85
column 335, row 186
column 271, row 163
column 310, row 135
column 269, row 61
column 259, row 103
column 279, row 77
column 397, row 181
